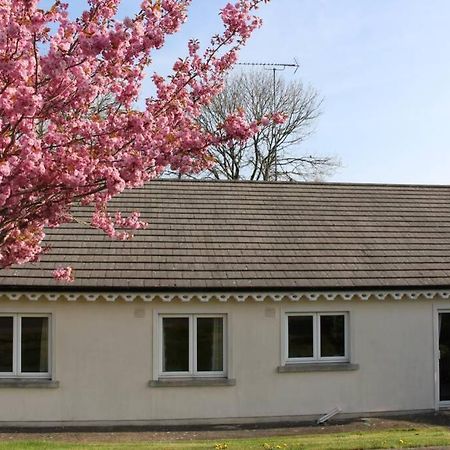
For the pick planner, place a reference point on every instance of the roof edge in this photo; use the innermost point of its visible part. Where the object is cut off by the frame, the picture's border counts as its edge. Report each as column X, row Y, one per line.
column 69, row 289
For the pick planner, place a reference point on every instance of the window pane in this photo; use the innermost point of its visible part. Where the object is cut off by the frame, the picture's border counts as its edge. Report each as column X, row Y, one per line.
column 210, row 344
column 34, row 344
column 444, row 359
column 332, row 335
column 300, row 337
column 6, row 344
column 175, row 344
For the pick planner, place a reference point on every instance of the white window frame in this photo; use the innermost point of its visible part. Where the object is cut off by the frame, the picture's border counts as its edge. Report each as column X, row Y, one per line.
column 192, row 372
column 438, row 403
column 316, row 338
column 17, row 347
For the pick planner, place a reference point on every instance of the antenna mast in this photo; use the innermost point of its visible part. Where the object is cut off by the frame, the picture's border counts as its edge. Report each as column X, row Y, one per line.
column 274, row 67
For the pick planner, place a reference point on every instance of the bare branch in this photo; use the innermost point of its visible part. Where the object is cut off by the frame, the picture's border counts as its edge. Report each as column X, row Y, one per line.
column 272, row 145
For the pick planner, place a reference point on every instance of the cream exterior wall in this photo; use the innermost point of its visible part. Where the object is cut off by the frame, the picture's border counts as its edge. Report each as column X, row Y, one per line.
column 103, row 359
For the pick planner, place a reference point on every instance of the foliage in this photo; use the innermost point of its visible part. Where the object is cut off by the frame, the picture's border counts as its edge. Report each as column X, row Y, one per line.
column 69, row 130
column 269, row 154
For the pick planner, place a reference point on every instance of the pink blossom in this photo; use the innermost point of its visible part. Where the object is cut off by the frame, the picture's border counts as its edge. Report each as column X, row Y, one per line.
column 237, row 127
column 279, row 118
column 63, row 274
column 57, row 150
column 117, row 226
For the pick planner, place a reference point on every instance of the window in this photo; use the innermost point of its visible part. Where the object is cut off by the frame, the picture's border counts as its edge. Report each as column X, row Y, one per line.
column 316, row 337
column 192, row 345
column 25, row 346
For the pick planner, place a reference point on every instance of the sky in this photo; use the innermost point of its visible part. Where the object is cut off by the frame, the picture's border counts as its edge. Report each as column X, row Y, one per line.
column 382, row 68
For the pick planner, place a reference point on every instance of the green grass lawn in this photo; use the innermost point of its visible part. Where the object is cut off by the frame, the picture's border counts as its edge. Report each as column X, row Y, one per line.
column 412, row 437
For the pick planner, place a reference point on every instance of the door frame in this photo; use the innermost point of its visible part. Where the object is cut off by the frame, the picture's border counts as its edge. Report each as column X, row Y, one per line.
column 438, row 404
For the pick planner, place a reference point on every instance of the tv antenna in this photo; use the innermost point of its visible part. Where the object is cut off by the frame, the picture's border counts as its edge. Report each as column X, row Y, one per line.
column 274, row 67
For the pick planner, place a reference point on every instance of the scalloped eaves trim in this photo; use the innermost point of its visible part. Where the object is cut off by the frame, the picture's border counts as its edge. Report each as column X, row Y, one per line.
column 225, row 297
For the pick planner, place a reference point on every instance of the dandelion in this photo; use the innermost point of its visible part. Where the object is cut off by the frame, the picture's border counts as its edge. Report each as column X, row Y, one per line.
column 221, row 446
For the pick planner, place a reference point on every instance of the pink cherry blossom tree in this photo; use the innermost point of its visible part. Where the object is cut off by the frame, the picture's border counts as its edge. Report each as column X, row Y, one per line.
column 58, row 148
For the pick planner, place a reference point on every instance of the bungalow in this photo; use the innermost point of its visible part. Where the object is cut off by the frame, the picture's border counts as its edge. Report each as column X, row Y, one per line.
column 240, row 302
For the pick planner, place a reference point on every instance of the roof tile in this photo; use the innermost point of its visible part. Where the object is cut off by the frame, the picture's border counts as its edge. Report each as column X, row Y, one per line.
column 241, row 235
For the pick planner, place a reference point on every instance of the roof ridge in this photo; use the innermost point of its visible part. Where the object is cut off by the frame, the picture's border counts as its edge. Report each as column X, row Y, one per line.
column 297, row 183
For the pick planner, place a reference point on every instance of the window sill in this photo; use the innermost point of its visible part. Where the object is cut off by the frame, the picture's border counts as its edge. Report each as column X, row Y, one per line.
column 185, row 382
column 28, row 383
column 318, row 367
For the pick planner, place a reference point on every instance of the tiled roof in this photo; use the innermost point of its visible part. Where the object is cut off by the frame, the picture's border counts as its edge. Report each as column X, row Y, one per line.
column 243, row 235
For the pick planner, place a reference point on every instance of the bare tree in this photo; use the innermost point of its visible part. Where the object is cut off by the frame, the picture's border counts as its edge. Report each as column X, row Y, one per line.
column 272, row 153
